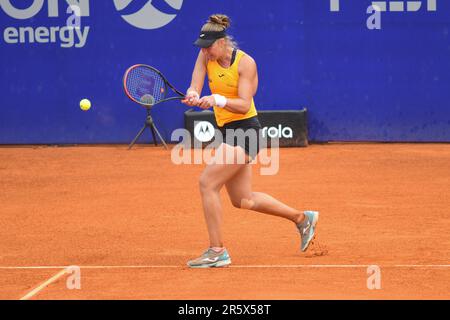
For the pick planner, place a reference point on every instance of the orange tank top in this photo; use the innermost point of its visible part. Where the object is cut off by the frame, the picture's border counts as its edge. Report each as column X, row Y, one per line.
column 225, row 81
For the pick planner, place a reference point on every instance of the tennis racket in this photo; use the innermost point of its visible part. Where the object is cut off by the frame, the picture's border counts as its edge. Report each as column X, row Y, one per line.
column 147, row 86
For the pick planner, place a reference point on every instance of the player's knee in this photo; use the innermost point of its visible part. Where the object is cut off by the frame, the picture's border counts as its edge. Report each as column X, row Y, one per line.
column 202, row 183
column 236, row 203
column 206, row 184
column 247, row 204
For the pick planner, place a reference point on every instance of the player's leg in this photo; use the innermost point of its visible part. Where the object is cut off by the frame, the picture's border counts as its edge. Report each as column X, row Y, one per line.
column 211, row 181
column 241, row 195
column 239, row 189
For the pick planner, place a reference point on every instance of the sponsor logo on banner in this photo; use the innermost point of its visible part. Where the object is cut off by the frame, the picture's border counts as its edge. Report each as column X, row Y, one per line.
column 393, row 5
column 149, row 16
column 70, row 34
column 278, row 132
column 375, row 9
column 66, row 24
column 204, row 131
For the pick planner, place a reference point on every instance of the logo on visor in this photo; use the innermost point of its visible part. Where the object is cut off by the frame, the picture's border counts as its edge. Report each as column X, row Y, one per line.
column 202, row 35
column 204, row 131
column 150, row 15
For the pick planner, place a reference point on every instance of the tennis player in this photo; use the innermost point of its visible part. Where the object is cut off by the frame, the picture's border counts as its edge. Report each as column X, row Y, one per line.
column 233, row 81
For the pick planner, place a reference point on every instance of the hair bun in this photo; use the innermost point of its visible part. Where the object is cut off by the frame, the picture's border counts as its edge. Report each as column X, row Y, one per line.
column 220, row 19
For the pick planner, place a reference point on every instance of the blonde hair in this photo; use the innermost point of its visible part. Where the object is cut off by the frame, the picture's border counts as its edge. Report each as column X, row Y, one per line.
column 219, row 22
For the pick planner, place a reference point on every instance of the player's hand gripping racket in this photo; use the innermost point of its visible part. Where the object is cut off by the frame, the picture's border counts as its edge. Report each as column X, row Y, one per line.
column 147, row 86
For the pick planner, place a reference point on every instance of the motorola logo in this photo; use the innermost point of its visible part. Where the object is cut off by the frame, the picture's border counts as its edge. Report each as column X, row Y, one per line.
column 148, row 17
column 278, row 132
column 204, row 131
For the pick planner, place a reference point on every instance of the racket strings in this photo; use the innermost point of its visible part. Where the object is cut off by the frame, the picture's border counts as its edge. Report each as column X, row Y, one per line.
column 145, row 85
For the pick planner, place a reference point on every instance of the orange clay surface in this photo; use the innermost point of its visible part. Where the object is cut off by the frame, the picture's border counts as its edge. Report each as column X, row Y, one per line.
column 132, row 219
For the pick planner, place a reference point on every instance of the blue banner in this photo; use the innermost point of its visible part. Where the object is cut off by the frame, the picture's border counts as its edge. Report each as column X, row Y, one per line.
column 365, row 70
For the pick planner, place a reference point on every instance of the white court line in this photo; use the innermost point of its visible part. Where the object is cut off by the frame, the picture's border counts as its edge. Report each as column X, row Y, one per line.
column 90, row 267
column 290, row 266
column 42, row 286
column 264, row 266
column 343, row 266
column 422, row 265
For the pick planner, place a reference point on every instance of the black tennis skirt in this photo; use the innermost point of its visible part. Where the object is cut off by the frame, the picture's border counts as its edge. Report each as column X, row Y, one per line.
column 248, row 137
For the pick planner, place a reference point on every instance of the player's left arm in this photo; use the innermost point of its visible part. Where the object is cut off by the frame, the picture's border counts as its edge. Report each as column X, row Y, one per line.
column 247, row 86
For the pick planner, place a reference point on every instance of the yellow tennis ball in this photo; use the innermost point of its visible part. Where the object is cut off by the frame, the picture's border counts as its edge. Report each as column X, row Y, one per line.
column 85, row 104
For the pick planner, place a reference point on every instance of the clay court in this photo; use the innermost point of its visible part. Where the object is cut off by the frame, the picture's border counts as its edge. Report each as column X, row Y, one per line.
column 131, row 219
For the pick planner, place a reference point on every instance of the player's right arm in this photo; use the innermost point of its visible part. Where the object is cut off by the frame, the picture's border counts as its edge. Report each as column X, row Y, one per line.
column 198, row 79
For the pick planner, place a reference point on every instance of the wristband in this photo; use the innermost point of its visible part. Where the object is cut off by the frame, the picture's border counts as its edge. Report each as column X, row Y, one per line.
column 195, row 92
column 221, row 101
